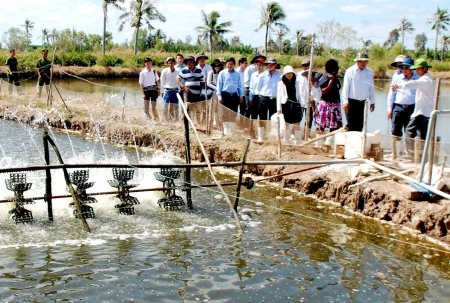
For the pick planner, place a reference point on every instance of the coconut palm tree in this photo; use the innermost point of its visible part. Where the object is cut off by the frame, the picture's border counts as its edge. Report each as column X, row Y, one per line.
column 105, row 3
column 298, row 36
column 141, row 11
column 45, row 33
column 405, row 26
column 211, row 29
column 159, row 35
column 366, row 44
column 282, row 31
column 271, row 15
column 440, row 21
column 29, row 26
column 445, row 42
column 54, row 36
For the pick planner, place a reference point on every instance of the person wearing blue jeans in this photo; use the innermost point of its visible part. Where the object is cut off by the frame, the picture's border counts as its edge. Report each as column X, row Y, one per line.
column 170, row 88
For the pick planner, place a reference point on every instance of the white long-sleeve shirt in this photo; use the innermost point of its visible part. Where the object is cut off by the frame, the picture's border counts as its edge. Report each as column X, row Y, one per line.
column 211, row 81
column 358, row 85
column 401, row 96
column 249, row 71
column 426, row 87
column 303, row 86
column 169, row 79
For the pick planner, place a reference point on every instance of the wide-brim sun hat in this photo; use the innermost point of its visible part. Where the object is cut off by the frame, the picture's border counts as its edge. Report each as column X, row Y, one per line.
column 217, row 62
column 201, row 55
column 272, row 61
column 288, row 69
column 398, row 59
column 407, row 62
column 420, row 63
column 185, row 61
column 306, row 72
column 257, row 56
column 361, row 57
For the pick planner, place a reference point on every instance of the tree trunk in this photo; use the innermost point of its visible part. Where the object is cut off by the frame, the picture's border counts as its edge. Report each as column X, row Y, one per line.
column 104, row 32
column 403, row 39
column 443, row 49
column 135, row 40
column 265, row 41
column 210, row 45
column 297, row 46
column 435, row 44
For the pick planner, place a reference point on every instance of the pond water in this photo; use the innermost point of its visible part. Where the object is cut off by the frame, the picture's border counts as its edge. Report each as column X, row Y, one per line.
column 294, row 249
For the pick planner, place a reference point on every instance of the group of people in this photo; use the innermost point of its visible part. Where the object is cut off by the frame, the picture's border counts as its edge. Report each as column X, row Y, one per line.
column 43, row 67
column 258, row 90
column 410, row 100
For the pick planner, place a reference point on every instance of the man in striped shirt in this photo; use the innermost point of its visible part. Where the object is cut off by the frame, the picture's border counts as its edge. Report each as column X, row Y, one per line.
column 192, row 86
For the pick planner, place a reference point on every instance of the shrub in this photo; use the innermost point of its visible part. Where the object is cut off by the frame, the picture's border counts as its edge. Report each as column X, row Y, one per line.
column 109, row 60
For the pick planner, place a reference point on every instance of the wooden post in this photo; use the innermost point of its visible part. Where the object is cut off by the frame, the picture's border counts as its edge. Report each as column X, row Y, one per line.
column 241, row 172
column 187, row 171
column 437, row 152
column 417, row 150
column 48, row 179
column 364, row 138
column 1, row 82
column 123, row 105
column 394, row 147
column 433, row 131
column 60, row 96
column 278, row 138
column 309, row 89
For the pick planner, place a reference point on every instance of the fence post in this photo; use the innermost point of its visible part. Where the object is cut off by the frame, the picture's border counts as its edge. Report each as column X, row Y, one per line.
column 48, row 179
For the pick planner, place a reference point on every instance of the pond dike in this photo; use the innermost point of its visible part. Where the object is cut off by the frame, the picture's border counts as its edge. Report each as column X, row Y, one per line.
column 381, row 199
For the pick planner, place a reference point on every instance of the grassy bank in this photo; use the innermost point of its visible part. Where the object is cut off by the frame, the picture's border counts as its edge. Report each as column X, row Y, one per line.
column 126, row 60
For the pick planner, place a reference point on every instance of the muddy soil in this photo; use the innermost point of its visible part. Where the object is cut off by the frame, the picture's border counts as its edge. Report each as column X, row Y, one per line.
column 380, row 199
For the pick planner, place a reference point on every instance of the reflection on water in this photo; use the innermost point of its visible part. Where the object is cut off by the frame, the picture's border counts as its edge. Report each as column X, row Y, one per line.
column 293, row 249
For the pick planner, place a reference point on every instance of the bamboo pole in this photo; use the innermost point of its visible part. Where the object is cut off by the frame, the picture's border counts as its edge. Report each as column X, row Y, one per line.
column 278, row 138
column 433, row 131
column 417, row 150
column 49, row 97
column 364, row 138
column 308, row 107
column 62, row 99
column 227, row 199
column 340, row 130
column 379, row 177
column 241, row 172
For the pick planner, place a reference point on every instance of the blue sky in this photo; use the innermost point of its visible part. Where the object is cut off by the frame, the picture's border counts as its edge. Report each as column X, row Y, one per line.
column 372, row 19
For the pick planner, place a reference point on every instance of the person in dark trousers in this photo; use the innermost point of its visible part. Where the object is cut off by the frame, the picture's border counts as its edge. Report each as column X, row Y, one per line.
column 230, row 92
column 358, row 87
column 401, row 102
column 12, row 74
column 148, row 81
column 43, row 68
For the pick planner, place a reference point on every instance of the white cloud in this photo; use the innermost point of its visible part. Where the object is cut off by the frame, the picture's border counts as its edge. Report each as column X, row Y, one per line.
column 358, row 9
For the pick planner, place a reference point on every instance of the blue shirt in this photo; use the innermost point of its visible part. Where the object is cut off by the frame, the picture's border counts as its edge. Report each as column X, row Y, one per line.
column 179, row 69
column 254, row 79
column 268, row 84
column 402, row 96
column 229, row 82
column 192, row 79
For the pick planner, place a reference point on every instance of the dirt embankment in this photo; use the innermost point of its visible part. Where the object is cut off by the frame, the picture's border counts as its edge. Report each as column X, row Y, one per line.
column 380, row 199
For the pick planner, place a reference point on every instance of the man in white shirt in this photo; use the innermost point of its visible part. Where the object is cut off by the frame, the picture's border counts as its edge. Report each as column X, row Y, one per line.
column 178, row 67
column 250, row 70
column 358, row 87
column 426, row 87
column 169, row 90
column 243, row 63
column 303, row 86
column 148, row 81
column 206, row 68
column 400, row 103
